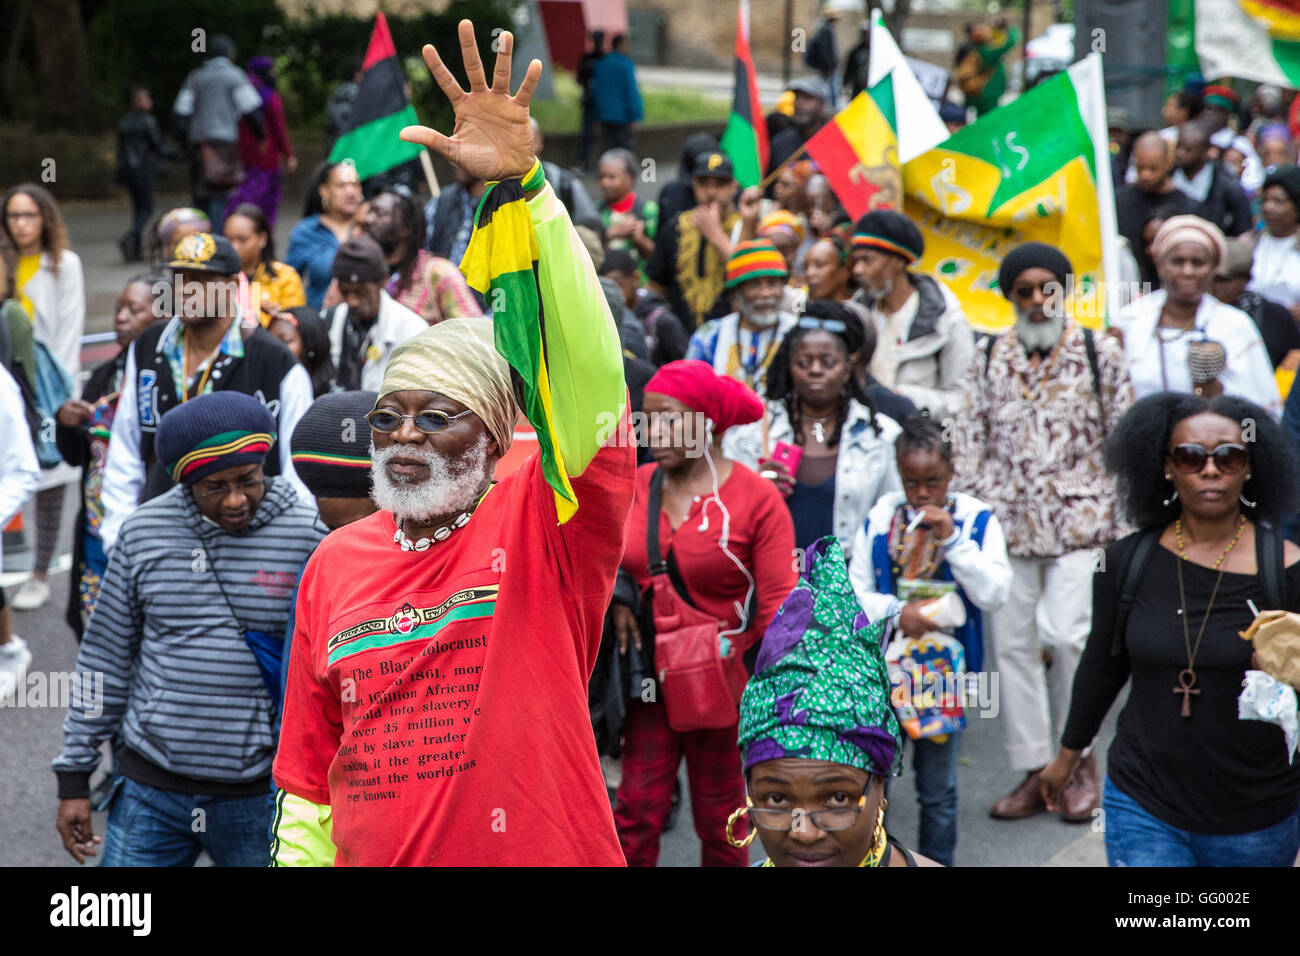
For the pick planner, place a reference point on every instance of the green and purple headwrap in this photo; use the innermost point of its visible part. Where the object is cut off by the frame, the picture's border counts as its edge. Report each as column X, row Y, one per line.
column 820, row 689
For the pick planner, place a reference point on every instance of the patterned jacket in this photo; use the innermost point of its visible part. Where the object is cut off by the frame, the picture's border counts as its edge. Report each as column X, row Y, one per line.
column 1029, row 442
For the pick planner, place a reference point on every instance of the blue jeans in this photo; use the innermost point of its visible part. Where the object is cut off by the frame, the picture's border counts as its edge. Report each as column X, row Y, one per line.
column 936, row 792
column 152, row 827
column 1136, row 838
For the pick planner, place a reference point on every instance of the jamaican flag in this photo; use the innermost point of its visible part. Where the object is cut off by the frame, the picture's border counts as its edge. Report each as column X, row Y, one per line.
column 501, row 263
column 379, row 112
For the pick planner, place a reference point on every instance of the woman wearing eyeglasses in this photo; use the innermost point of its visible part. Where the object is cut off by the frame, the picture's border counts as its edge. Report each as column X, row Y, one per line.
column 822, row 443
column 817, row 734
column 1181, row 338
column 50, row 286
column 1189, row 783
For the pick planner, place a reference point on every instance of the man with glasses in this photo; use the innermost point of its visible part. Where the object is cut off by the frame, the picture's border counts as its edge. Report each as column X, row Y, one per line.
column 1040, row 400
column 436, row 707
column 743, row 344
column 186, row 634
column 202, row 349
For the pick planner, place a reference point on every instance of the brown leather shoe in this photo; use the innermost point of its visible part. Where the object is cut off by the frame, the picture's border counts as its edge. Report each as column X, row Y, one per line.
column 1082, row 795
column 1024, row 801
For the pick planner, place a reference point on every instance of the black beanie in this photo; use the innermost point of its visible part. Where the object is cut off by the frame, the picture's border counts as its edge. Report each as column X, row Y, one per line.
column 360, row 260
column 1032, row 255
column 1288, row 177
column 330, row 445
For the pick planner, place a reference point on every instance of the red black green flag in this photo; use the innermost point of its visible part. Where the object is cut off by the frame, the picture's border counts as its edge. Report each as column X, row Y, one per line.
column 379, row 112
column 745, row 138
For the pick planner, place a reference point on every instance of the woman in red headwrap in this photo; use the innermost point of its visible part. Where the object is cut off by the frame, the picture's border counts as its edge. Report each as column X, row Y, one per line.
column 727, row 547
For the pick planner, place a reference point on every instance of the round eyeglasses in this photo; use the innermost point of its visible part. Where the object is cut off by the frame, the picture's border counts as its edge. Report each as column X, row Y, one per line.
column 430, row 421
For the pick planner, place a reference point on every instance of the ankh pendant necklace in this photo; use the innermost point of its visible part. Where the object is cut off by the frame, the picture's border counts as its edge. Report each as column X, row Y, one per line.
column 1187, row 677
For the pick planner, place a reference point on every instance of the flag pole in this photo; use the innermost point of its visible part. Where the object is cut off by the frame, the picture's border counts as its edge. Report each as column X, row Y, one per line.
column 777, row 172
column 427, row 164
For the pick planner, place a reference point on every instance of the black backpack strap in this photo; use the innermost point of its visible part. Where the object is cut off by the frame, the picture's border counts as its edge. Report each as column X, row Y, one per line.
column 1272, row 563
column 1090, row 344
column 658, row 563
column 989, row 342
column 1130, row 577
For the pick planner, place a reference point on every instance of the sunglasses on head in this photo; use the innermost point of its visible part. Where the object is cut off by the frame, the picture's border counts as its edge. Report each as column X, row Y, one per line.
column 829, row 325
column 430, row 421
column 1189, row 459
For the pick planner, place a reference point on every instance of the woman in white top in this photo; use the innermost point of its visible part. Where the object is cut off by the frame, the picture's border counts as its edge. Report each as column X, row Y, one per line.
column 1275, row 269
column 18, row 477
column 1181, row 320
column 50, row 287
column 814, row 402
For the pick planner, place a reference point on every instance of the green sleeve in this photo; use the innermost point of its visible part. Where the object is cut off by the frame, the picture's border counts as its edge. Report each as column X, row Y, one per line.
column 302, row 832
column 991, row 54
column 651, row 210
column 584, row 360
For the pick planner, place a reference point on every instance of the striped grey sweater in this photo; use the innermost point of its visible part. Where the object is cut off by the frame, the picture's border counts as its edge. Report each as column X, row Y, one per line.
column 179, row 680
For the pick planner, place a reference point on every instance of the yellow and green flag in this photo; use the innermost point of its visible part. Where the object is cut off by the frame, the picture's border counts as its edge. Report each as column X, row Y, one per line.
column 501, row 263
column 1035, row 169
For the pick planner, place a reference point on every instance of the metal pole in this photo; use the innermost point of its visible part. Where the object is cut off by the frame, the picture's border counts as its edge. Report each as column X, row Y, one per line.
column 785, row 47
column 1024, row 45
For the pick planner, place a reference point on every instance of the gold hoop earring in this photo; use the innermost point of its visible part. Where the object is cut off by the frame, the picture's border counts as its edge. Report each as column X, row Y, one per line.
column 731, row 821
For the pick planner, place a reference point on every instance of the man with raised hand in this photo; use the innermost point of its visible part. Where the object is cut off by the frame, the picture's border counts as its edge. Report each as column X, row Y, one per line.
column 436, row 710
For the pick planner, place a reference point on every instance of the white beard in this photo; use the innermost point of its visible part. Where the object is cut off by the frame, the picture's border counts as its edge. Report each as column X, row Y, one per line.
column 759, row 318
column 1041, row 336
column 453, row 484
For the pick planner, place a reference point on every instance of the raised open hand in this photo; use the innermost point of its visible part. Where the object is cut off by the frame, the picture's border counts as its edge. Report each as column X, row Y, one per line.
column 492, row 139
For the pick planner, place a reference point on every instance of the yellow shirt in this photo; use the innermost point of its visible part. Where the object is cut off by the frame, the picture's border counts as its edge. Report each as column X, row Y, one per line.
column 28, row 266
column 284, row 291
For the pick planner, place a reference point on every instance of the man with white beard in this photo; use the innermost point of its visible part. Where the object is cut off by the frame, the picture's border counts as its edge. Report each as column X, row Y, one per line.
column 436, row 709
column 1038, row 404
column 924, row 344
column 743, row 343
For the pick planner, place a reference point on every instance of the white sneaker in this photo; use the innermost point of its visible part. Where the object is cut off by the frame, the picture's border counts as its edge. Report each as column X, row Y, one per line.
column 32, row 594
column 14, row 658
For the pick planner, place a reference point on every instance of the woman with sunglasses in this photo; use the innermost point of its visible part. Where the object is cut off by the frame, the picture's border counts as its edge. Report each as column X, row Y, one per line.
column 1189, row 783
column 1181, row 338
column 815, row 772
column 822, row 443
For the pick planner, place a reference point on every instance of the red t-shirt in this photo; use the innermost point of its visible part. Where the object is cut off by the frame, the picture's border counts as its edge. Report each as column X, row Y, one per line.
column 437, row 700
column 760, row 535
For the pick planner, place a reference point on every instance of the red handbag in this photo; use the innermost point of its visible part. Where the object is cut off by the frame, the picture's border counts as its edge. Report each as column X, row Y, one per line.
column 701, row 688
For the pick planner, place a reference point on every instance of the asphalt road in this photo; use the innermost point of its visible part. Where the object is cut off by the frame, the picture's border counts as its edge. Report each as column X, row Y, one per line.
column 31, row 735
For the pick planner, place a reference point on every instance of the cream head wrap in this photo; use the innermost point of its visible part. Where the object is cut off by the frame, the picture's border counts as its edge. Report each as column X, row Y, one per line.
column 458, row 358
column 1189, row 229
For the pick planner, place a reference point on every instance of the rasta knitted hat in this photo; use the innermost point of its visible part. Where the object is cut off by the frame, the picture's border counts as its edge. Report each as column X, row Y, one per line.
column 889, row 231
column 1224, row 97
column 1032, row 255
column 330, row 445
column 820, row 689
column 214, row 432
column 753, row 259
